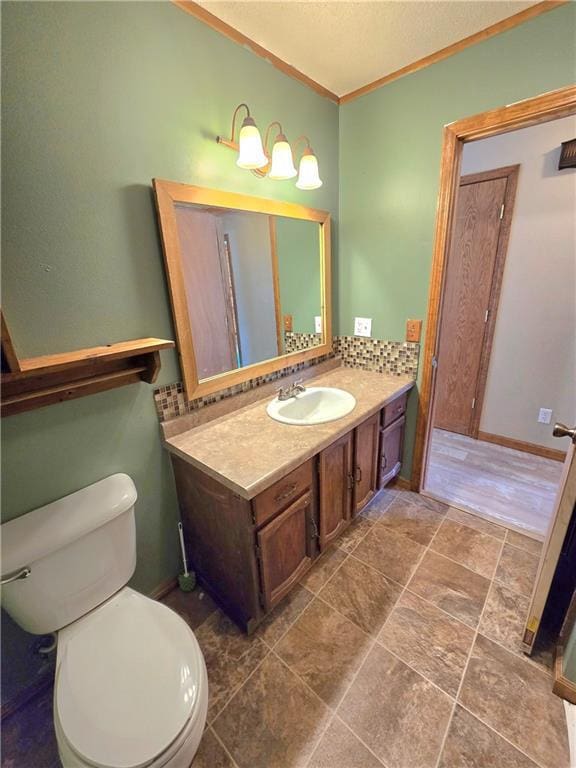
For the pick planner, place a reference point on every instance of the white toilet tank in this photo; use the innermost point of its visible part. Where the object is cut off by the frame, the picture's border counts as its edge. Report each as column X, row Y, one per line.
column 80, row 550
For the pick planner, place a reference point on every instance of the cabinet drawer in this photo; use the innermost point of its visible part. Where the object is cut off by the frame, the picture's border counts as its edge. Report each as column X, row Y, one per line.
column 394, row 410
column 283, row 493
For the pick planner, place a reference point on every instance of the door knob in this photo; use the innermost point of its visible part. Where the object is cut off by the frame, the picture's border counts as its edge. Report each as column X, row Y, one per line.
column 561, row 430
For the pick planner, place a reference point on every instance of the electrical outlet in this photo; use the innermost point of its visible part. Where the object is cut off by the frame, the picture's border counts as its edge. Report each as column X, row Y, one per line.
column 362, row 326
column 544, row 415
column 317, row 324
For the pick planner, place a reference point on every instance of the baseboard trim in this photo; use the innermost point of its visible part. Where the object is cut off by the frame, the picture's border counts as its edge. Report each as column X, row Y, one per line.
column 163, row 589
column 400, row 484
column 520, row 445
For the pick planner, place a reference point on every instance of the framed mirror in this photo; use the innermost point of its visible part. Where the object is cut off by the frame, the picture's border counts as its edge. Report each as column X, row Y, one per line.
column 249, row 282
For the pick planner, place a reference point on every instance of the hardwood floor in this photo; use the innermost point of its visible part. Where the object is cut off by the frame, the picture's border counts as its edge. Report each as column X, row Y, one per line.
column 514, row 488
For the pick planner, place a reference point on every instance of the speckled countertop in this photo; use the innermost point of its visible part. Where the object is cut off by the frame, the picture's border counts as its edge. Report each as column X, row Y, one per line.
column 248, row 451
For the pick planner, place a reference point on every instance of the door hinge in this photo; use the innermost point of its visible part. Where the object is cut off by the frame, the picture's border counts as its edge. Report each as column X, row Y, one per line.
column 350, row 482
column 486, row 315
column 502, row 211
column 473, row 402
column 434, row 361
column 258, row 553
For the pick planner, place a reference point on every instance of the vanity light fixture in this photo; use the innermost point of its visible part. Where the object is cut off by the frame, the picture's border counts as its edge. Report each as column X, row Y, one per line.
column 254, row 156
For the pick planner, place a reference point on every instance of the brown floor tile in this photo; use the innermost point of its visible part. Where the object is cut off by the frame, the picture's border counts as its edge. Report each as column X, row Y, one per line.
column 467, row 546
column 354, row 534
column 274, row 721
column 230, row 657
column 452, row 587
column 325, row 650
column 323, row 568
column 474, row 521
column 471, row 744
column 416, row 521
column 379, row 504
column 393, row 555
column 517, row 569
column 362, row 594
column 211, row 754
column 524, row 542
column 339, row 748
column 505, row 616
column 430, row 641
column 515, row 698
column 194, row 607
column 396, row 712
column 437, row 506
column 285, row 613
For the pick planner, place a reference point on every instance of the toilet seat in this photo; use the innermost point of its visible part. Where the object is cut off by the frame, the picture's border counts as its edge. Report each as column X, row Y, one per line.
column 130, row 680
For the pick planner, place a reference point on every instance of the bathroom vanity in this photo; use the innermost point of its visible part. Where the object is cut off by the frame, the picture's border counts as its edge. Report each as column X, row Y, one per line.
column 261, row 500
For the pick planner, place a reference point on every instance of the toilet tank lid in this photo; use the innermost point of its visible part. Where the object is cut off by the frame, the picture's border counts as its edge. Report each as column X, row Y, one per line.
column 41, row 532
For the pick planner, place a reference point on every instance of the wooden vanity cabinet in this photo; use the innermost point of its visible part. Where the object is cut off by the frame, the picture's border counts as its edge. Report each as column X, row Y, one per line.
column 392, row 439
column 250, row 553
column 336, row 481
column 366, row 442
column 285, row 549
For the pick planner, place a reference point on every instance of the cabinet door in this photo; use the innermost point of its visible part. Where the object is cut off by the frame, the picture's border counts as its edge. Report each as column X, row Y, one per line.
column 392, row 442
column 335, row 488
column 366, row 461
column 285, row 547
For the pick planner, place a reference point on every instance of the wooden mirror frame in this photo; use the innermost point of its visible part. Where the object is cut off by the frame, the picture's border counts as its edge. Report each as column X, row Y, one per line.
column 169, row 193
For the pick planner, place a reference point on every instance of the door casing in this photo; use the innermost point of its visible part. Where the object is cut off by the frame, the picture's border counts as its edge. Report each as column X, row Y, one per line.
column 522, row 114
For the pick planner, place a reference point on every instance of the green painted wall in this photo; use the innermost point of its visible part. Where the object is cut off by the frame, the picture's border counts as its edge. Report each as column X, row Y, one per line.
column 298, row 247
column 390, row 142
column 99, row 98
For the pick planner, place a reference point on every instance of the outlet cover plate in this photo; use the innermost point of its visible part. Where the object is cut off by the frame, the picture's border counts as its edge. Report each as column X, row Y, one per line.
column 363, row 326
column 544, row 415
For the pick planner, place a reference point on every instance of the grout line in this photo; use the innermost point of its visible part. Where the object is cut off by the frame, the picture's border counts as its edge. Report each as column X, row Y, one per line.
column 504, row 738
column 224, row 747
column 472, row 646
column 241, row 685
column 383, row 645
column 291, row 623
column 356, row 736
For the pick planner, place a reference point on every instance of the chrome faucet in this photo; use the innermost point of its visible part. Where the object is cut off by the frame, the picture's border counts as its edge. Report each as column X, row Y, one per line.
column 285, row 393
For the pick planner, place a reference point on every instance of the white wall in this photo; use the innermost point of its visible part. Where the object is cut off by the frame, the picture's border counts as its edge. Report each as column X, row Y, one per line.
column 533, row 362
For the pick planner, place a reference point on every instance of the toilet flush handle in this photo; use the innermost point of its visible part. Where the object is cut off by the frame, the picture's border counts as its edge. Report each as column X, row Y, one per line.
column 23, row 573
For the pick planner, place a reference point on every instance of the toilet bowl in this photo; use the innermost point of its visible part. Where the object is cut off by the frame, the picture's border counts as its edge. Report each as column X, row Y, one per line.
column 131, row 688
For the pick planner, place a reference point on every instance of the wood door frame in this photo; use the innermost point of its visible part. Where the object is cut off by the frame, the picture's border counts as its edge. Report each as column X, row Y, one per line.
column 522, row 114
column 510, row 173
column 276, row 284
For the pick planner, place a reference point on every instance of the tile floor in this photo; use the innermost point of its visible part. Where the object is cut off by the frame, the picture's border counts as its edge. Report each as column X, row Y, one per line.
column 400, row 648
column 513, row 488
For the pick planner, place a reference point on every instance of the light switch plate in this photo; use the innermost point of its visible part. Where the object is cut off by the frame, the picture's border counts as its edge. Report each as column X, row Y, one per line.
column 362, row 326
column 544, row 415
column 413, row 330
column 317, row 324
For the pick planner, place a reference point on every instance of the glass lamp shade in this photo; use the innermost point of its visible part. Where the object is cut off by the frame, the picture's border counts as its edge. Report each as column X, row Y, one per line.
column 282, row 163
column 308, row 176
column 251, row 153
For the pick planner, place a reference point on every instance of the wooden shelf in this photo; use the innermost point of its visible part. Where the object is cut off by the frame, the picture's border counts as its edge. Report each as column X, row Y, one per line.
column 38, row 381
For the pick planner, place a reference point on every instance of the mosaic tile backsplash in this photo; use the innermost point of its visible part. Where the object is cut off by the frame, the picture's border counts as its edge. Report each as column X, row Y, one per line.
column 294, row 342
column 399, row 358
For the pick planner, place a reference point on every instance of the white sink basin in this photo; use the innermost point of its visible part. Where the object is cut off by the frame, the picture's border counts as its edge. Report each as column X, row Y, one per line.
column 316, row 405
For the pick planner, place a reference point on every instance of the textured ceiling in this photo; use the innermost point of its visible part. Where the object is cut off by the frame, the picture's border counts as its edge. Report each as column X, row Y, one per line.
column 345, row 45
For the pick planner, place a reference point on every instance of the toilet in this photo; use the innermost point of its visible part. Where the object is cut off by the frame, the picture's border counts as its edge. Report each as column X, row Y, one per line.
column 131, row 688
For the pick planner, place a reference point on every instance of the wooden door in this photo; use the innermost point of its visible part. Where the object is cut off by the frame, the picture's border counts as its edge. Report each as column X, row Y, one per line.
column 367, row 437
column 392, row 446
column 285, row 550
column 563, row 511
column 336, row 480
column 209, row 311
column 473, row 278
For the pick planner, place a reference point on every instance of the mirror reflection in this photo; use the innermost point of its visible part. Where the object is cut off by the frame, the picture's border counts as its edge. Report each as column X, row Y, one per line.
column 252, row 284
